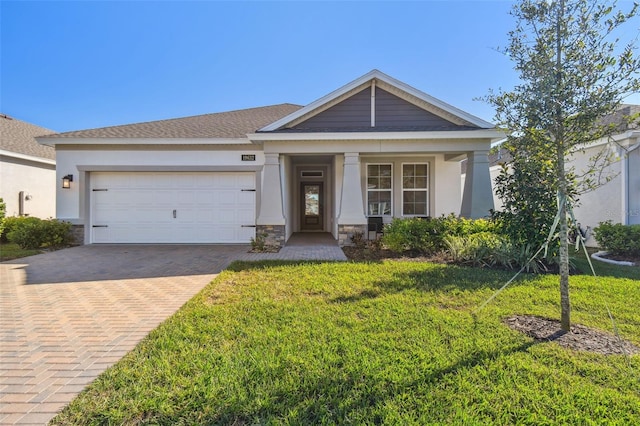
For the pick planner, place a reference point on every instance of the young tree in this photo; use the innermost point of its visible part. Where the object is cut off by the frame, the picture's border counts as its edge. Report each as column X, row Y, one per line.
column 573, row 71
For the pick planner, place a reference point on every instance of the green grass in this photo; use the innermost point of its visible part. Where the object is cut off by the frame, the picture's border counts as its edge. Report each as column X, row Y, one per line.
column 580, row 261
column 10, row 251
column 371, row 343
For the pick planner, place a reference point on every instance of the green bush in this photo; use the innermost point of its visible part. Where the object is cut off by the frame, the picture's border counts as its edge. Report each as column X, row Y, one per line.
column 57, row 233
column 618, row 238
column 27, row 232
column 414, row 235
column 3, row 212
column 477, row 249
column 8, row 225
column 32, row 232
column 426, row 236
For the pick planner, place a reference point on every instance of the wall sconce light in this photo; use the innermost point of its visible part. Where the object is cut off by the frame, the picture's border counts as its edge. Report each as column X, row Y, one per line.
column 66, row 181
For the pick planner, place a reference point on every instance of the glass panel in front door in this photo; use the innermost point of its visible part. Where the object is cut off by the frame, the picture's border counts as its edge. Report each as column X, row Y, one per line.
column 312, row 206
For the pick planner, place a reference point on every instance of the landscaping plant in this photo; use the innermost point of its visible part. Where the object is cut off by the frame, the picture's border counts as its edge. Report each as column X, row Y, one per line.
column 572, row 73
column 618, row 239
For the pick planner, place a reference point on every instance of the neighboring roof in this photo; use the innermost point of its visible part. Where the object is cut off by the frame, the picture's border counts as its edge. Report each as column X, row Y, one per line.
column 232, row 124
column 621, row 117
column 396, row 87
column 19, row 137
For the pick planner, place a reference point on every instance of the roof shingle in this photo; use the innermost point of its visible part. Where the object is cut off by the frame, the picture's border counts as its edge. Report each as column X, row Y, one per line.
column 232, row 124
column 18, row 136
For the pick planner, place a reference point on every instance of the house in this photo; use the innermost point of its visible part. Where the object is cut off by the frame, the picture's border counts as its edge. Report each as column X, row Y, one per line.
column 27, row 170
column 618, row 199
column 373, row 148
column 497, row 158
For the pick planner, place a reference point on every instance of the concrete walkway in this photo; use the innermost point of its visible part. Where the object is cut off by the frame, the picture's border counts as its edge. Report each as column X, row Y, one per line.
column 67, row 316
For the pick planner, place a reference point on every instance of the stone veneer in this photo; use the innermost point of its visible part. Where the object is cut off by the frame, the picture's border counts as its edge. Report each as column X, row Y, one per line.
column 345, row 232
column 275, row 234
column 77, row 235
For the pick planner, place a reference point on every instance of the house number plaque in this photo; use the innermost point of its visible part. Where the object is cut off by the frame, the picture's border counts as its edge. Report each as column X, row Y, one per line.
column 248, row 157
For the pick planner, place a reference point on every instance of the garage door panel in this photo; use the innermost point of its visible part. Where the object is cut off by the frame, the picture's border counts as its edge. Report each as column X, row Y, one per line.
column 137, row 207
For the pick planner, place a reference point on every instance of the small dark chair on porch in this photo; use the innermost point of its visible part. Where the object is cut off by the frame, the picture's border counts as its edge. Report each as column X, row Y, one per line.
column 375, row 227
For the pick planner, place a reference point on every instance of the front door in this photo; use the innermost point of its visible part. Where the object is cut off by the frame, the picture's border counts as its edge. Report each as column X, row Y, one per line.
column 311, row 195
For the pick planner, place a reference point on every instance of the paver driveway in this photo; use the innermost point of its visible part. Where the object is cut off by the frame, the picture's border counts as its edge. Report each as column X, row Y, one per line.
column 68, row 315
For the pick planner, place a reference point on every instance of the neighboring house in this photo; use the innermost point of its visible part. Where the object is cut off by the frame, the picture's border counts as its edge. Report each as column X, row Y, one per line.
column 374, row 148
column 27, row 170
column 619, row 199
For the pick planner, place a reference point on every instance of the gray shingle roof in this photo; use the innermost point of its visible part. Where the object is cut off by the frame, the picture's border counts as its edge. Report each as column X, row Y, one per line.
column 18, row 136
column 232, row 124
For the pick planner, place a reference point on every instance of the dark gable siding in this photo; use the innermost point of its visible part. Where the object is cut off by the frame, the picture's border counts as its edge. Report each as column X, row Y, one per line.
column 354, row 112
column 391, row 111
column 392, row 114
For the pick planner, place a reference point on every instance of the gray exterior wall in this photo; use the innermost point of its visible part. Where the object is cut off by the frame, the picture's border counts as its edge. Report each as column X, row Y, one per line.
column 391, row 112
column 354, row 112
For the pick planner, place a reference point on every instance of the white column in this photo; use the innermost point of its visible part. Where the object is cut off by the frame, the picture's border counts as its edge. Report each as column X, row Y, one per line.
column 351, row 202
column 271, row 193
column 477, row 199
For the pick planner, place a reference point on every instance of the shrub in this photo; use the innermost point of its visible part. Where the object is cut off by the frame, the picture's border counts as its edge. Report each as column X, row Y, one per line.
column 27, row 232
column 427, row 235
column 491, row 249
column 8, row 224
column 259, row 243
column 415, row 235
column 618, row 238
column 3, row 212
column 31, row 233
column 477, row 249
column 57, row 233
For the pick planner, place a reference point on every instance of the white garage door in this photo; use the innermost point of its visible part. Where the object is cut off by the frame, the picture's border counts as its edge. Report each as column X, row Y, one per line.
column 167, row 207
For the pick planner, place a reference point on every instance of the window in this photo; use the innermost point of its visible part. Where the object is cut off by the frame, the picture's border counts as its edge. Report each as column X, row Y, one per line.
column 415, row 189
column 379, row 189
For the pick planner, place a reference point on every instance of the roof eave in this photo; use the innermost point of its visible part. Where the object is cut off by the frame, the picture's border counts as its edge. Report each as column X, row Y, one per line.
column 491, row 134
column 27, row 157
column 143, row 141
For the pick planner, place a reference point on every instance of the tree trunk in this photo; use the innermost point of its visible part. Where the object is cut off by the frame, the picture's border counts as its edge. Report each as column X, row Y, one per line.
column 565, row 305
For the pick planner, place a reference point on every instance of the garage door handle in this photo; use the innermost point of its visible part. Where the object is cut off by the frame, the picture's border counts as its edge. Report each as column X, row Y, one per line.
column 100, row 226
column 247, row 226
column 248, row 190
column 174, row 214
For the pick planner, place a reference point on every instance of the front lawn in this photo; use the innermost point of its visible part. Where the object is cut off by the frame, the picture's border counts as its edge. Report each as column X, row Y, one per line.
column 10, row 251
column 372, row 343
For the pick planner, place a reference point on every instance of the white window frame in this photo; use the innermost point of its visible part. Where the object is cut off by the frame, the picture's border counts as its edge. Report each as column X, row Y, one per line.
column 390, row 189
column 403, row 189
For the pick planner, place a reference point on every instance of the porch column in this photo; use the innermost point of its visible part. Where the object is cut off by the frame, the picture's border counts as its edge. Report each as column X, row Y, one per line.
column 271, row 219
column 351, row 218
column 477, row 198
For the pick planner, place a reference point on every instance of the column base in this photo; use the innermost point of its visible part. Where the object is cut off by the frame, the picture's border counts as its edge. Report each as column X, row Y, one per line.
column 345, row 232
column 274, row 234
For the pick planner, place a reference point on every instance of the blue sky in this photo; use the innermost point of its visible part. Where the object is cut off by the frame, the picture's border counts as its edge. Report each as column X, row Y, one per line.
column 76, row 65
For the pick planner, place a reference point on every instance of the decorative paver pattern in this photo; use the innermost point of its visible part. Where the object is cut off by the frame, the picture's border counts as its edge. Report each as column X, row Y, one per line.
column 66, row 316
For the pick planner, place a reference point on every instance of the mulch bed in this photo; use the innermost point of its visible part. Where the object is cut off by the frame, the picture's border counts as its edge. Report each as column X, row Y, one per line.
column 580, row 338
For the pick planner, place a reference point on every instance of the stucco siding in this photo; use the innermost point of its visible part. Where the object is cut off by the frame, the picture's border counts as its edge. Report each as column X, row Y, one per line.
column 634, row 187
column 606, row 201
column 36, row 180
